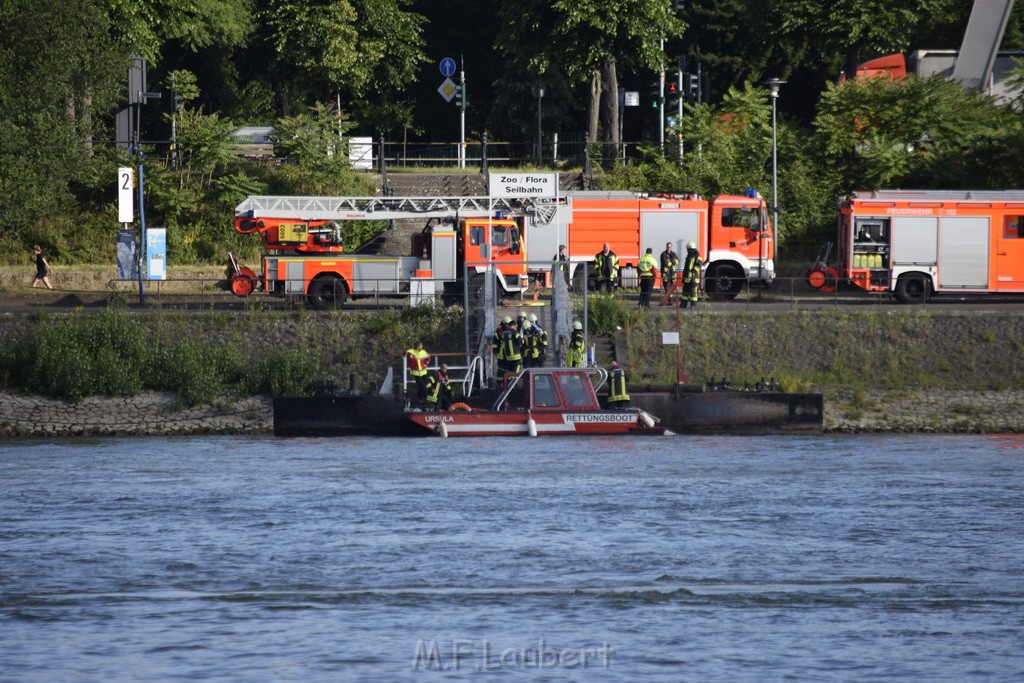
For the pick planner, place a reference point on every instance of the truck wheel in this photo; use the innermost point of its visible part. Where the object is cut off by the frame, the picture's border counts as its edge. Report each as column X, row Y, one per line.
column 327, row 293
column 725, row 282
column 911, row 288
column 578, row 284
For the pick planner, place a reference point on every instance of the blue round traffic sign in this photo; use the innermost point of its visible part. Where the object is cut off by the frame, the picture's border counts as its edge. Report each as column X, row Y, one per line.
column 447, row 67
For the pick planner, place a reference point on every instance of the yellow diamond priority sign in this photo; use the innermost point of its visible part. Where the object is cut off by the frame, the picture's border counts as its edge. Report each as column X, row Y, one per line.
column 448, row 89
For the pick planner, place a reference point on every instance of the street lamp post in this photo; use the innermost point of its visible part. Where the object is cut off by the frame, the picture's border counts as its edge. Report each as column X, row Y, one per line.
column 773, row 92
column 538, row 92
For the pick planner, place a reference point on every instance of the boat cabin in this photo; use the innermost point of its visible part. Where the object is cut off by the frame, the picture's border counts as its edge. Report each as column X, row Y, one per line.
column 553, row 389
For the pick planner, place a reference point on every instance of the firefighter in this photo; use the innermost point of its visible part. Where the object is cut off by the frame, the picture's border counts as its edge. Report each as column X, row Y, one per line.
column 510, row 351
column 562, row 263
column 647, row 267
column 576, row 351
column 440, row 395
column 417, row 360
column 669, row 263
column 618, row 396
column 496, row 338
column 606, row 266
column 533, row 346
column 539, row 331
column 691, row 276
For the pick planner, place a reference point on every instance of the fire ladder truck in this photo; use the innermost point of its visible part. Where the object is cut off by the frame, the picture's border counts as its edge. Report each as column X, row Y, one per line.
column 465, row 237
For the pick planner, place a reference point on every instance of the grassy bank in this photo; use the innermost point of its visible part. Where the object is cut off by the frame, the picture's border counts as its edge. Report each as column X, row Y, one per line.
column 260, row 351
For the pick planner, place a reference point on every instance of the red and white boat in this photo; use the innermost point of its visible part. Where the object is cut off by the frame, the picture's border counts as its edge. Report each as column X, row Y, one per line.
column 542, row 402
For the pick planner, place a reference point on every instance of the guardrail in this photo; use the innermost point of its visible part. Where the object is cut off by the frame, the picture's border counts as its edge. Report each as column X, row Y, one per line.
column 392, row 292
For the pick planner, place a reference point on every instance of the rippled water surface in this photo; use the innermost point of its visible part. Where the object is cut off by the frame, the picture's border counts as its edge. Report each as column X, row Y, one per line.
column 669, row 558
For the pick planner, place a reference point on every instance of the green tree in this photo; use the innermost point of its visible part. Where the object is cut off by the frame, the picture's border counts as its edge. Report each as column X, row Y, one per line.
column 841, row 32
column 880, row 132
column 320, row 49
column 589, row 39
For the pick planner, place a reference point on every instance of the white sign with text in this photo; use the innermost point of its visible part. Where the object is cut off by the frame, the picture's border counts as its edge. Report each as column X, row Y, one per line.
column 125, row 205
column 523, row 184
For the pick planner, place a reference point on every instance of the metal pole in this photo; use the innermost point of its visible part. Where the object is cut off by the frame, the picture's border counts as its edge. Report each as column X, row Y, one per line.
column 773, row 92
column 661, row 101
column 539, row 134
column 462, row 121
column 679, row 90
column 775, row 178
column 483, row 156
column 142, row 233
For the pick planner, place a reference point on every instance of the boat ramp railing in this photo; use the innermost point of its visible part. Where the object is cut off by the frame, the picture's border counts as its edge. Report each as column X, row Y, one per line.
column 468, row 373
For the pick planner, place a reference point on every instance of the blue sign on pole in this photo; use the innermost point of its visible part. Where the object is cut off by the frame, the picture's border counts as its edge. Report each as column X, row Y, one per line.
column 447, row 67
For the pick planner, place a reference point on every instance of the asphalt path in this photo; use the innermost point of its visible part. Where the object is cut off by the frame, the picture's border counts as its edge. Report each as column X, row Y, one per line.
column 766, row 301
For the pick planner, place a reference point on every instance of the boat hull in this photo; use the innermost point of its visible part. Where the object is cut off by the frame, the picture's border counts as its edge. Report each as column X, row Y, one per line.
column 517, row 423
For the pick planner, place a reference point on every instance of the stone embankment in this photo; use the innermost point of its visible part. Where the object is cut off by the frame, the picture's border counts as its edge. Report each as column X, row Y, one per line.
column 926, row 410
column 148, row 414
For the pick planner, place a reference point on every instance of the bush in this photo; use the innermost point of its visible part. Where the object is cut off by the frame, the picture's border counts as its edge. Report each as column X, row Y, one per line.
column 605, row 314
column 80, row 355
column 195, row 372
column 284, row 373
column 16, row 357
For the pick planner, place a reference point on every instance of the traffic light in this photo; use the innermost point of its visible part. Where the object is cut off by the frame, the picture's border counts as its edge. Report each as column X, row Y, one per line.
column 691, row 86
column 655, row 94
column 672, row 96
column 460, row 95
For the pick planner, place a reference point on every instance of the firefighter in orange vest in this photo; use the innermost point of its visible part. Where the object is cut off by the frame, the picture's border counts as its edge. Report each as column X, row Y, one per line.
column 418, row 360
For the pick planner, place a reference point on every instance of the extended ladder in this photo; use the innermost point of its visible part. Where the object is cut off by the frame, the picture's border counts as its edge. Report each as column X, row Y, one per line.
column 541, row 211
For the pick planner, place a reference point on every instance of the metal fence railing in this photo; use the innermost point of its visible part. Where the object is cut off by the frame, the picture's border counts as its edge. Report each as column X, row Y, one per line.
column 392, row 292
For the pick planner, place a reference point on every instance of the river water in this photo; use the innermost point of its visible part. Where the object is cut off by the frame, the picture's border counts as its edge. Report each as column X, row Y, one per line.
column 657, row 558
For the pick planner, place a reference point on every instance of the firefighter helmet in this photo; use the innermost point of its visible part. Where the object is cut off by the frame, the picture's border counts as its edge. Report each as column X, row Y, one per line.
column 691, row 245
column 506, row 320
column 526, row 324
column 577, row 325
column 532, row 317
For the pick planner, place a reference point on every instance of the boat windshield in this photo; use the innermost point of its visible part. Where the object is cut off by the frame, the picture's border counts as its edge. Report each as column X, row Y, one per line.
column 544, row 394
column 574, row 388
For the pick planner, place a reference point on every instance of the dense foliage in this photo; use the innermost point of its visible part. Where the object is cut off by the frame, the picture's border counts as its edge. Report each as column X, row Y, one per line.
column 319, row 72
column 201, row 358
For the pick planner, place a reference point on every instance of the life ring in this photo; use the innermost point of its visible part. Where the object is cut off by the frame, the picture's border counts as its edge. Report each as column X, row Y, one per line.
column 459, row 406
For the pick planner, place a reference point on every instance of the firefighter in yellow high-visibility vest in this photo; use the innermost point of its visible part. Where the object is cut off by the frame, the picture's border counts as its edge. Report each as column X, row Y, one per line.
column 648, row 267
column 618, row 396
column 417, row 360
column 576, row 351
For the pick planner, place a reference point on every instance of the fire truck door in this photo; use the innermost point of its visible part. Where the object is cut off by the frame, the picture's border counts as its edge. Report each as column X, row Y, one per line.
column 504, row 242
column 1009, row 258
column 478, row 244
column 964, row 252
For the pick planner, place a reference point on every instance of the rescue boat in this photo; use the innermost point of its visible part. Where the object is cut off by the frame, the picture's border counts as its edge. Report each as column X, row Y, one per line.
column 541, row 402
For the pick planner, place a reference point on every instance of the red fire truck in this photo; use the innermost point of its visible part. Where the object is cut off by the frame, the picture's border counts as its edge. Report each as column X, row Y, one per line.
column 305, row 255
column 916, row 243
column 733, row 234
